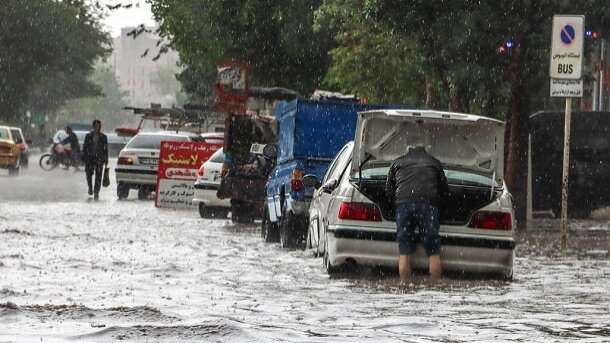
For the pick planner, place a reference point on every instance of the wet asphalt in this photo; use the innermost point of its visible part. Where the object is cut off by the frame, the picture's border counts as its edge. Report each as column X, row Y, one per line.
column 76, row 270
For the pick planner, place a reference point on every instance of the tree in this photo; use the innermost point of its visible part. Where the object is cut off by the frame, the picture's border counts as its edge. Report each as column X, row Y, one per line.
column 47, row 46
column 275, row 37
column 369, row 60
column 460, row 41
column 107, row 107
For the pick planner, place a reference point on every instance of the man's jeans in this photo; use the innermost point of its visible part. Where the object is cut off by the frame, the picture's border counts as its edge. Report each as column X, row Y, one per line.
column 426, row 218
column 98, row 169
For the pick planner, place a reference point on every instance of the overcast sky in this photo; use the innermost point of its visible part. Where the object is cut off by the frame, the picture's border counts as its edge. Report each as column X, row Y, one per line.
column 138, row 14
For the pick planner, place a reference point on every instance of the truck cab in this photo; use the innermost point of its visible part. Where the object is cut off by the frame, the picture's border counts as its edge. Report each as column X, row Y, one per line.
column 245, row 170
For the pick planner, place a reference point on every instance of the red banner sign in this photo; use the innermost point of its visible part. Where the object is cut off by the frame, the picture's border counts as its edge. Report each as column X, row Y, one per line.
column 178, row 165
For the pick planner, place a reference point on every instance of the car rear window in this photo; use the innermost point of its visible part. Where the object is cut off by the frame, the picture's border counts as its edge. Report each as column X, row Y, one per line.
column 218, row 157
column 17, row 136
column 153, row 141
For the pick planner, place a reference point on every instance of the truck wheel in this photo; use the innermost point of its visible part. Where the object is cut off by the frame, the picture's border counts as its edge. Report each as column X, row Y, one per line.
column 122, row 191
column 291, row 230
column 240, row 215
column 269, row 230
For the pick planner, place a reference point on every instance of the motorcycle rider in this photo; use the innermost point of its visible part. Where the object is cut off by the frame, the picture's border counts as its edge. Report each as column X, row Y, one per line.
column 72, row 140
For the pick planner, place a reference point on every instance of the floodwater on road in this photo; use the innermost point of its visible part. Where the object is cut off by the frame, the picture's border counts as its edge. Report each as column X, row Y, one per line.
column 75, row 270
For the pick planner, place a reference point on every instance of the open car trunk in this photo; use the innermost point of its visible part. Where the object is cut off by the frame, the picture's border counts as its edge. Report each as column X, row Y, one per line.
column 456, row 210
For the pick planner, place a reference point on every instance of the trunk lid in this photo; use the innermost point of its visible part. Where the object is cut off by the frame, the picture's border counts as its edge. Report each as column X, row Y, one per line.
column 460, row 141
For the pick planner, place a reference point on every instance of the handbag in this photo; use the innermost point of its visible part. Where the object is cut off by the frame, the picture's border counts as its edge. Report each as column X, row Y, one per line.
column 106, row 178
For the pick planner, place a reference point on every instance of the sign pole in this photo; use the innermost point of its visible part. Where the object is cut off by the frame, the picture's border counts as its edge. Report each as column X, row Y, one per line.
column 566, row 171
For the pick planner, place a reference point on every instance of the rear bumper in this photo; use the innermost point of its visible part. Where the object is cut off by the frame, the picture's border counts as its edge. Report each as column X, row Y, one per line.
column 459, row 253
column 206, row 193
column 136, row 177
column 8, row 161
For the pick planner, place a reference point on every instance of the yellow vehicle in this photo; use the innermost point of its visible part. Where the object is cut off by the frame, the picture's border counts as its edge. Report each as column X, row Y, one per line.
column 9, row 151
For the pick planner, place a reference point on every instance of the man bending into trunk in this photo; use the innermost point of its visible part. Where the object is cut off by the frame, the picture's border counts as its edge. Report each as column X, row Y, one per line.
column 417, row 183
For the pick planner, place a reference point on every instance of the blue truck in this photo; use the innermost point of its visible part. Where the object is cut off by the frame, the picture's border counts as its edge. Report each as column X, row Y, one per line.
column 310, row 133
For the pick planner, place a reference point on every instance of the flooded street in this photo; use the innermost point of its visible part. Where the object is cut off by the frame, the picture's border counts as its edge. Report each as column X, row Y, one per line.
column 73, row 270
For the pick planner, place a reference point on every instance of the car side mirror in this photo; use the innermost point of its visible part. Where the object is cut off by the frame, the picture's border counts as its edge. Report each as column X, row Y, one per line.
column 311, row 181
column 329, row 186
column 270, row 151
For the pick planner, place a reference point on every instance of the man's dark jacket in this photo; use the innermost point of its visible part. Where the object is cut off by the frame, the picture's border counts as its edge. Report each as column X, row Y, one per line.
column 417, row 177
column 91, row 155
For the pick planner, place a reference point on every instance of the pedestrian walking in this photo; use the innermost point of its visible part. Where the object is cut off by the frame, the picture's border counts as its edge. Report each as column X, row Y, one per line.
column 95, row 155
column 72, row 140
column 417, row 185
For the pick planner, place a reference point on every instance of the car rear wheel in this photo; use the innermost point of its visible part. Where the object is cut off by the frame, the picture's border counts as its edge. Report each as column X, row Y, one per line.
column 13, row 171
column 143, row 193
column 269, row 230
column 122, row 191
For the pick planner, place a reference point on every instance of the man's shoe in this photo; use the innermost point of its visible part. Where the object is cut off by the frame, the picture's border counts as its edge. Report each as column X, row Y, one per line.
column 96, row 197
column 90, row 191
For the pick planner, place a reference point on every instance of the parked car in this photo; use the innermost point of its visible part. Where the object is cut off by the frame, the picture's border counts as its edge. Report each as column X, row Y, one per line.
column 206, row 186
column 116, row 143
column 10, row 154
column 22, row 143
column 138, row 162
column 352, row 220
column 310, row 133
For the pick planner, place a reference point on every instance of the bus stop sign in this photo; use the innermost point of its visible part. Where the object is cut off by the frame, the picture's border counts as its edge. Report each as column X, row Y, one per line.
column 567, row 47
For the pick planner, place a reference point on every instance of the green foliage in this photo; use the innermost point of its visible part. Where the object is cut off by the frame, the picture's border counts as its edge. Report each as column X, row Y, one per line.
column 107, row 107
column 368, row 60
column 47, row 46
column 275, row 37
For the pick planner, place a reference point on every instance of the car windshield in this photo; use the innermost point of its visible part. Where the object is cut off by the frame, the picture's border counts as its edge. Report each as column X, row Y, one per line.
column 218, row 157
column 153, row 141
column 4, row 134
column 454, row 176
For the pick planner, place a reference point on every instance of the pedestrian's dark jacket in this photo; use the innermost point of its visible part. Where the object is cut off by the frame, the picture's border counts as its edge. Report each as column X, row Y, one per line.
column 417, row 177
column 73, row 141
column 95, row 154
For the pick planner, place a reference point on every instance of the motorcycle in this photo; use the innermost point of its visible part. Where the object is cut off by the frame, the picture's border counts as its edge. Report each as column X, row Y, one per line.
column 60, row 155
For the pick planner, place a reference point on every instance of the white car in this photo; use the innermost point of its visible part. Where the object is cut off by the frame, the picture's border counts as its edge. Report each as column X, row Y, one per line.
column 352, row 221
column 206, row 186
column 138, row 161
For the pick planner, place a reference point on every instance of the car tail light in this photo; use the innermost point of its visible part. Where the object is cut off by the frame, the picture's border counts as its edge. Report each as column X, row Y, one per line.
column 491, row 220
column 201, row 171
column 359, row 211
column 125, row 161
column 296, row 184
